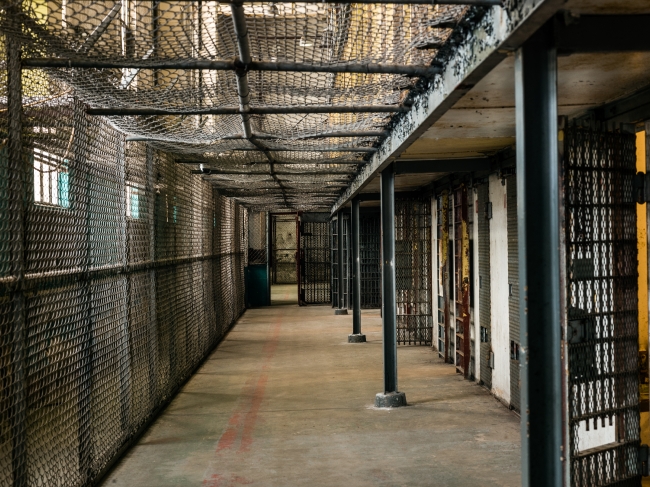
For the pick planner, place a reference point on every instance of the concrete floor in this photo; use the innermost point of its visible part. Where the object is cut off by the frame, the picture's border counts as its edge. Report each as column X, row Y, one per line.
column 286, row 401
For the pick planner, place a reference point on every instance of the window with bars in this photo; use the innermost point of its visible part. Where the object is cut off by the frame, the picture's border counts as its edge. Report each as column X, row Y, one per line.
column 134, row 201
column 51, row 179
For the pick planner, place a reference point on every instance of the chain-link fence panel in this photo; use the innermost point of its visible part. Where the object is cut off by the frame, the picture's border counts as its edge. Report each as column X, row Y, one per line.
column 602, row 307
column 119, row 272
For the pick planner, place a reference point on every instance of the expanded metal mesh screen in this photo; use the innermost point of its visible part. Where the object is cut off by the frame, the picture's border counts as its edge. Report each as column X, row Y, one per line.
column 186, row 59
column 119, row 272
column 602, row 319
column 315, row 266
column 413, row 271
column 341, row 272
column 370, row 255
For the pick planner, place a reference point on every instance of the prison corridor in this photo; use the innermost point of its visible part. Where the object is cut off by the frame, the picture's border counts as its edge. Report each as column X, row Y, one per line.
column 285, row 400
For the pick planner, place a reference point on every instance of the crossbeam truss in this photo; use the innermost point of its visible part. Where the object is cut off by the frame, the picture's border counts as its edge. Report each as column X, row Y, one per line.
column 243, row 90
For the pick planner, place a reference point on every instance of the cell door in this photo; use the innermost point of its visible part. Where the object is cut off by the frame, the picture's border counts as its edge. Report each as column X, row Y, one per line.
column 314, row 259
column 601, row 307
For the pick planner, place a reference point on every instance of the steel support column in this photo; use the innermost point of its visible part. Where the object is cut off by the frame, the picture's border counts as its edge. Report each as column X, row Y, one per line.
column 390, row 397
column 356, row 336
column 340, row 309
column 18, row 198
column 539, row 260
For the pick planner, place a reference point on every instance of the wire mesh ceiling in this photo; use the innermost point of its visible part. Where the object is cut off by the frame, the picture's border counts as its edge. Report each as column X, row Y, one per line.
column 256, row 93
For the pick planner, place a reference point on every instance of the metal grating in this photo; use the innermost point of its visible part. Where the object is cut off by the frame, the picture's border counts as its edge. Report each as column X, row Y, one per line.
column 484, row 284
column 513, row 282
column 413, row 271
column 602, row 320
column 315, row 269
column 119, row 272
column 370, row 249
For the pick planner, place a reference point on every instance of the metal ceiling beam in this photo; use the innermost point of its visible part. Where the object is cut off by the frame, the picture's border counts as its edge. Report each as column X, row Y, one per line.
column 487, row 39
column 442, row 165
column 359, row 133
column 243, row 89
column 485, row 3
column 288, row 163
column 242, row 64
column 301, row 110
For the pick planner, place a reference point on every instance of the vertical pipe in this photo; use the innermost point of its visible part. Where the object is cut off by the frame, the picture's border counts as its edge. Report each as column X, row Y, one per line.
column 153, row 334
column 17, row 202
column 388, row 304
column 81, row 203
column 269, row 256
column 356, row 336
column 539, row 257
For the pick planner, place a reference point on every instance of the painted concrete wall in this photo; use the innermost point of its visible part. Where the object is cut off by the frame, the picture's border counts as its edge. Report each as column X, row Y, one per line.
column 500, row 290
column 476, row 310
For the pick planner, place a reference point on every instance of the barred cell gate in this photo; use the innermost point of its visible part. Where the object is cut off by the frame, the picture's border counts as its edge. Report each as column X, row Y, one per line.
column 601, row 308
column 314, row 275
column 285, row 249
column 413, row 271
column 370, row 249
column 336, row 275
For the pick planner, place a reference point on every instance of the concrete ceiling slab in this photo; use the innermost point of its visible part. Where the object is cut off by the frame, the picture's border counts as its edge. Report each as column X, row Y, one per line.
column 483, row 121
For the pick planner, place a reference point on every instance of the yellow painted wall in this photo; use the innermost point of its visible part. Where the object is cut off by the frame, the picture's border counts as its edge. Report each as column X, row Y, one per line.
column 642, row 245
column 643, row 248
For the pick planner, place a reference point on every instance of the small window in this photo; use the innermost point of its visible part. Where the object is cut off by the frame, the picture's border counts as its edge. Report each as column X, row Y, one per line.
column 51, row 180
column 134, row 200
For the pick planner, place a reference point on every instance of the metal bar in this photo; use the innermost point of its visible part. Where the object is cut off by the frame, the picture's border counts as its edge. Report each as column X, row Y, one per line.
column 290, row 163
column 356, row 270
column 316, row 109
column 360, row 133
column 442, row 165
column 101, row 28
column 339, row 242
column 485, row 3
column 388, row 301
column 17, row 200
column 307, row 149
column 539, row 268
column 82, row 177
column 242, row 65
column 243, row 89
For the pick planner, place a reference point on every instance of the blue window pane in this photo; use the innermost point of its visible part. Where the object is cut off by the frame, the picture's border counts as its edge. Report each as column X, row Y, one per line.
column 64, row 190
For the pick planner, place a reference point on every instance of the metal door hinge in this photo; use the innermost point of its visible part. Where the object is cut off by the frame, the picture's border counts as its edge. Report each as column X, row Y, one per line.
column 641, row 188
column 488, row 210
